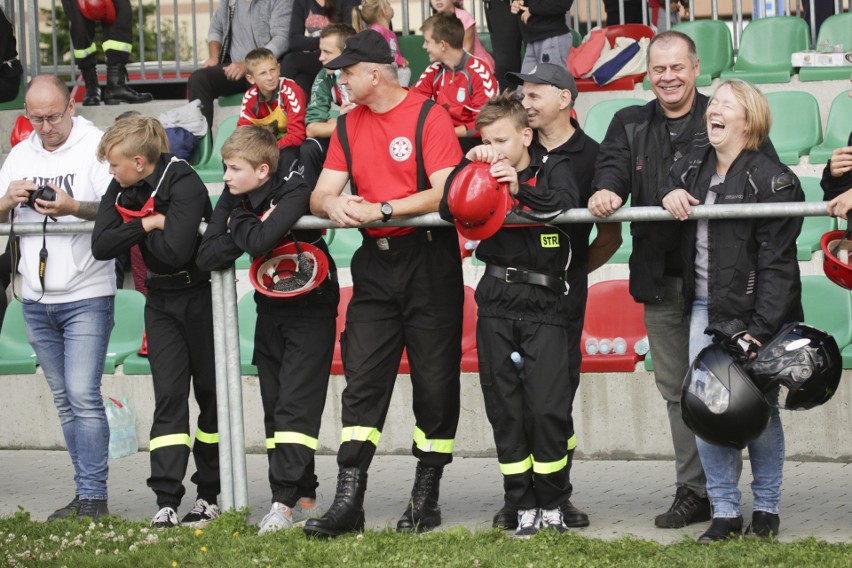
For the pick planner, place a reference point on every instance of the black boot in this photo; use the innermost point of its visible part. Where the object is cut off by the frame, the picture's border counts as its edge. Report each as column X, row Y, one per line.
column 117, row 91
column 346, row 513
column 506, row 519
column 93, row 90
column 423, row 512
column 722, row 529
column 571, row 515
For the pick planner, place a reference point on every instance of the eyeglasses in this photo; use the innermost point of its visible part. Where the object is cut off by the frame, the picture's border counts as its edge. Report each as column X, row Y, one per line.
column 52, row 119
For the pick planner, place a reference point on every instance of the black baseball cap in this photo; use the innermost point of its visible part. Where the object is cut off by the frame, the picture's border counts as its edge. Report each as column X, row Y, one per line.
column 546, row 74
column 364, row 47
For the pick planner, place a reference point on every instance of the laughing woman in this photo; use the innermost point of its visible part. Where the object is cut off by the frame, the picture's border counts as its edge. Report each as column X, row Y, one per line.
column 743, row 269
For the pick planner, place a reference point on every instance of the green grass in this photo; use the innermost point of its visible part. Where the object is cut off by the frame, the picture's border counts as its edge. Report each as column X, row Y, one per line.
column 233, row 543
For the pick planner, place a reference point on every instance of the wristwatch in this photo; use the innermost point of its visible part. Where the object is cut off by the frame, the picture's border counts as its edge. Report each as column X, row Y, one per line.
column 387, row 211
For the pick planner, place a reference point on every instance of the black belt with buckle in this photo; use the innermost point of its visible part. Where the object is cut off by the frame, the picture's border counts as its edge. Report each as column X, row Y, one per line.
column 521, row 276
column 175, row 280
column 401, row 241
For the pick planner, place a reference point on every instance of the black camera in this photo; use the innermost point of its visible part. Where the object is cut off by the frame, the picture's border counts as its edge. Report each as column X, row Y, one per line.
column 42, row 192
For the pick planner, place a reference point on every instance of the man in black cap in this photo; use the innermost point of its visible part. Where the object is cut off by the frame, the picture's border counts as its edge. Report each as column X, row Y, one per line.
column 549, row 92
column 408, row 286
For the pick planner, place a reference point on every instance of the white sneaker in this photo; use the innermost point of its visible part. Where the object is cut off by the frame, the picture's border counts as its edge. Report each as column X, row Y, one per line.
column 305, row 509
column 201, row 514
column 165, row 518
column 552, row 519
column 529, row 521
column 279, row 517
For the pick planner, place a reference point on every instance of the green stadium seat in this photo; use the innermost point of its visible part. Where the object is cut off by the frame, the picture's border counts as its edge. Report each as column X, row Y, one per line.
column 247, row 312
column 411, row 47
column 211, row 170
column 576, row 38
column 649, row 362
column 829, row 307
column 126, row 336
column 813, row 228
column 243, row 262
column 485, row 40
column 715, row 50
column 837, row 129
column 834, row 30
column 203, row 150
column 329, row 236
column 18, row 102
column 16, row 354
column 600, row 115
column 766, row 47
column 796, row 126
column 231, row 100
column 136, row 364
column 811, row 187
column 346, row 242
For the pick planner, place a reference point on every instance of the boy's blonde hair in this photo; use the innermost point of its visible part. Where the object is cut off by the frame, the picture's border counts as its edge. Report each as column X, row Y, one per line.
column 256, row 56
column 254, row 144
column 368, row 13
column 504, row 105
column 135, row 136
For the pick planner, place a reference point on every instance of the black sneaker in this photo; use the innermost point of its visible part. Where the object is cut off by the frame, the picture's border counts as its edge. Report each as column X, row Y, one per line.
column 686, row 509
column 506, row 519
column 201, row 514
column 764, row 525
column 67, row 511
column 94, row 508
column 722, row 529
column 572, row 516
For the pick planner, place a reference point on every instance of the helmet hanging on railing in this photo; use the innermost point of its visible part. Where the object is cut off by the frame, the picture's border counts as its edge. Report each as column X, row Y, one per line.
column 291, row 269
column 478, row 202
column 98, row 10
column 836, row 248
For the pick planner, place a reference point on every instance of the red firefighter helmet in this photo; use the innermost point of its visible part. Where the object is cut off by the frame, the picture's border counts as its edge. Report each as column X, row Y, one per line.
column 836, row 248
column 478, row 202
column 291, row 269
column 98, row 10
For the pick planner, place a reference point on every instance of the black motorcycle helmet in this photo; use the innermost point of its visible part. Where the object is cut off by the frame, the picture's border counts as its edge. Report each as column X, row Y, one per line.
column 803, row 361
column 719, row 401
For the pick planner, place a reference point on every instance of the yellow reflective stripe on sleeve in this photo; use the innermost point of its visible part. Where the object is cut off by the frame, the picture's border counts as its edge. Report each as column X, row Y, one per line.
column 572, row 442
column 360, row 434
column 170, row 440
column 295, row 438
column 517, row 467
column 206, row 437
column 426, row 445
column 82, row 53
column 545, row 468
column 270, row 443
column 116, row 46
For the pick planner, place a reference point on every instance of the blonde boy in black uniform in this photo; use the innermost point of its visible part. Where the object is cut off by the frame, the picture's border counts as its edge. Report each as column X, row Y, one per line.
column 294, row 336
column 158, row 201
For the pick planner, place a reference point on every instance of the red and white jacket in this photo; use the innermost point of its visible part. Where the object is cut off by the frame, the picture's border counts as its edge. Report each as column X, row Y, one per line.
column 287, row 110
column 462, row 90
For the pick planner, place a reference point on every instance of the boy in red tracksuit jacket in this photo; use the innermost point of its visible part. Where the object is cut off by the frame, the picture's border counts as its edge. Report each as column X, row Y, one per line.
column 275, row 102
column 456, row 80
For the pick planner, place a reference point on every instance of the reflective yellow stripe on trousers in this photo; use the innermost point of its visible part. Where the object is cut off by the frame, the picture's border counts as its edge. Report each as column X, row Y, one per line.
column 572, row 442
column 544, row 468
column 360, row 434
column 206, row 437
column 116, row 46
column 426, row 445
column 518, row 467
column 295, row 438
column 82, row 53
column 170, row 440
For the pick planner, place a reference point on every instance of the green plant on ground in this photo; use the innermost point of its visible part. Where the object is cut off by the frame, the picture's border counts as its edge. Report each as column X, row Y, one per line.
column 231, row 542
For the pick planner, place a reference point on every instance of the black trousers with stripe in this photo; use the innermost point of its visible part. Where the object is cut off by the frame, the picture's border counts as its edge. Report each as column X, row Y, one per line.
column 411, row 297
column 293, row 357
column 179, row 325
column 83, row 32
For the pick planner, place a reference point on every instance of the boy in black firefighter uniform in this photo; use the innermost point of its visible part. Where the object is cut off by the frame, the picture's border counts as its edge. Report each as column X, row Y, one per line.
column 296, row 310
column 158, row 201
column 525, row 308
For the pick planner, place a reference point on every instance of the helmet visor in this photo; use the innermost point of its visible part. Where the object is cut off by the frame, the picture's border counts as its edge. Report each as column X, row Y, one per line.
column 707, row 387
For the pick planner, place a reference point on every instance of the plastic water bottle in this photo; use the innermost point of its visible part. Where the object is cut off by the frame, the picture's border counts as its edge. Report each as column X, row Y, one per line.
column 592, row 346
column 344, row 92
column 605, row 346
column 619, row 346
column 642, row 347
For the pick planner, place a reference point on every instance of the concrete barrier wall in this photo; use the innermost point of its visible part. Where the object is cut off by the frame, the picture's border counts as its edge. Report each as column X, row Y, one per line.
column 617, row 416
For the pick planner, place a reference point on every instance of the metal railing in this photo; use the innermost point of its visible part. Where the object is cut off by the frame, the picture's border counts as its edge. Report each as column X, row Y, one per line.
column 232, row 455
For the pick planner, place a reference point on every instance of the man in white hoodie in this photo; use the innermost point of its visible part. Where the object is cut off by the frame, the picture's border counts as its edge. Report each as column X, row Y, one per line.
column 68, row 310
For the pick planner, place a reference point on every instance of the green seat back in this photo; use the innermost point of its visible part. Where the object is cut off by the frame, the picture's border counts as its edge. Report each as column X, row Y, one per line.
column 766, row 47
column 18, row 102
column 811, row 187
column 836, row 29
column 231, row 100
column 203, row 150
column 247, row 313
column 344, row 245
column 600, row 115
column 16, row 354
column 796, row 126
column 828, row 307
column 485, row 40
column 411, row 47
column 136, row 364
column 837, row 130
column 713, row 42
column 126, row 336
column 211, row 171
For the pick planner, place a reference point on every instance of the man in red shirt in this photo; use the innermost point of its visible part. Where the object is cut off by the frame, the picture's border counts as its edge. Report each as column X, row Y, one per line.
column 408, row 286
column 456, row 80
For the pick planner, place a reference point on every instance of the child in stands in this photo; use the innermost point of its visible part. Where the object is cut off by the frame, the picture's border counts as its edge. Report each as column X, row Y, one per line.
column 471, row 38
column 377, row 15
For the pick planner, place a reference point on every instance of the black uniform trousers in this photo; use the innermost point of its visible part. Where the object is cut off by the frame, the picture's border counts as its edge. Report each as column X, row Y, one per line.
column 579, row 289
column 83, row 33
column 505, row 28
column 179, row 325
column 408, row 296
column 312, row 154
column 293, row 357
column 208, row 83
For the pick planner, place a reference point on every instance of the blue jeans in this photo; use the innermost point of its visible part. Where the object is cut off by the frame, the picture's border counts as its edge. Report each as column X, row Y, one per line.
column 70, row 341
column 722, row 465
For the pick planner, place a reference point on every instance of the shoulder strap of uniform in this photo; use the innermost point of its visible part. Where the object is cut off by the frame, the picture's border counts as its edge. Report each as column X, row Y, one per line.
column 422, row 178
column 344, row 143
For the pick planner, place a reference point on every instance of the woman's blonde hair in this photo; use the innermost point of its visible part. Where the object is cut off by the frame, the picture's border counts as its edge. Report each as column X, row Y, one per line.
column 135, row 136
column 758, row 114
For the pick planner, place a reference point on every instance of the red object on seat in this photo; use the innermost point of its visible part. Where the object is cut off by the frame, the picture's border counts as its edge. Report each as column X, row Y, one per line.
column 21, row 131
column 634, row 31
column 611, row 312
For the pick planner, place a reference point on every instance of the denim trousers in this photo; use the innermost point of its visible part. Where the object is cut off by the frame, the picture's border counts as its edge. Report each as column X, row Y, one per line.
column 722, row 465
column 70, row 341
